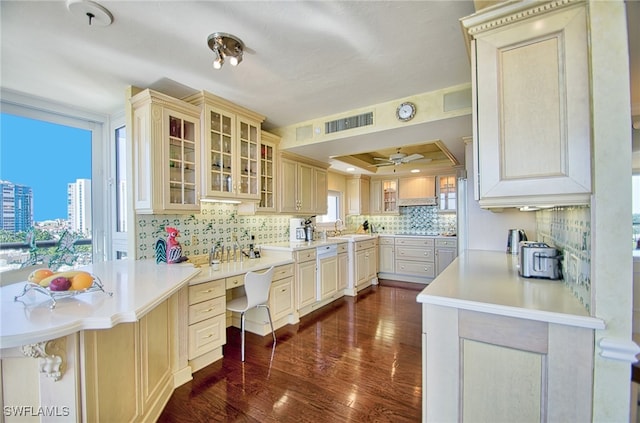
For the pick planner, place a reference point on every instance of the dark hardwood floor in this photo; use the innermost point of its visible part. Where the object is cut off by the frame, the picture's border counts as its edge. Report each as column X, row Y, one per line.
column 355, row 360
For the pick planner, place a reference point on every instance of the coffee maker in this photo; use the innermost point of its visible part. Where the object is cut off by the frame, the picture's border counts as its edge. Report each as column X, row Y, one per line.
column 297, row 231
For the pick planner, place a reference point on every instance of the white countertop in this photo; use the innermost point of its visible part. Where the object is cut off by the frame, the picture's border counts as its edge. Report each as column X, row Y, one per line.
column 302, row 245
column 488, row 281
column 228, row 269
column 138, row 286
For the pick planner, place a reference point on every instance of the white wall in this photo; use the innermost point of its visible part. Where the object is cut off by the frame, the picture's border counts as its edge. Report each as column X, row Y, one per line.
column 487, row 230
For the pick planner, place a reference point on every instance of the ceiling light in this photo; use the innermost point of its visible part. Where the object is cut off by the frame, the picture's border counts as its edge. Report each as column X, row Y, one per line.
column 415, row 170
column 94, row 13
column 225, row 46
column 351, row 169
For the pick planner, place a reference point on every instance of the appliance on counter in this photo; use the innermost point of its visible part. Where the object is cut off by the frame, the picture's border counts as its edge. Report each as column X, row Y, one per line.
column 513, row 240
column 539, row 260
column 297, row 231
column 309, row 228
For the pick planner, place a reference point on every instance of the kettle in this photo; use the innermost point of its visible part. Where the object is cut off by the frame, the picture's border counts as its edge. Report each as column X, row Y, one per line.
column 513, row 240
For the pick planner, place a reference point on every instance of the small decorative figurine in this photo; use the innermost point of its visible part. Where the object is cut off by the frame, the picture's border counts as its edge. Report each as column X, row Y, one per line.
column 169, row 251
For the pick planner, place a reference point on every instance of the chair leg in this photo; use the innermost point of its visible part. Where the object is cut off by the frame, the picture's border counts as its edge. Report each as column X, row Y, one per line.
column 273, row 332
column 242, row 334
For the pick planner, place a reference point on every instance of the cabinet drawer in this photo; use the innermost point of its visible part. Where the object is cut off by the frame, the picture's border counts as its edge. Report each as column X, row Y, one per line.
column 207, row 335
column 447, row 243
column 281, row 272
column 305, row 255
column 384, row 240
column 207, row 309
column 363, row 245
column 417, row 254
column 415, row 268
column 206, row 291
column 343, row 247
column 234, row 281
column 281, row 298
column 418, row 242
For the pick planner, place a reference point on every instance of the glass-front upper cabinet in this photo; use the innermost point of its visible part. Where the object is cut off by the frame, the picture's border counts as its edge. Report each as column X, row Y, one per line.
column 219, row 153
column 268, row 154
column 166, row 154
column 447, row 193
column 249, row 163
column 390, row 196
column 182, row 159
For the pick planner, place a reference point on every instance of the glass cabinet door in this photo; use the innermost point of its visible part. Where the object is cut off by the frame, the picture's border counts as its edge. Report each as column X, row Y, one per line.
column 390, row 196
column 219, row 156
column 267, row 199
column 447, row 193
column 182, row 160
column 249, row 176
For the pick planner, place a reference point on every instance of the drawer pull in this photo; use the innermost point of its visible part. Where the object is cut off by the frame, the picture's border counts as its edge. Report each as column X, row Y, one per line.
column 207, row 291
column 209, row 336
column 283, row 290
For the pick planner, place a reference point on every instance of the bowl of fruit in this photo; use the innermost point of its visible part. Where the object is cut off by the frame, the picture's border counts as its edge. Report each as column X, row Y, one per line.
column 58, row 285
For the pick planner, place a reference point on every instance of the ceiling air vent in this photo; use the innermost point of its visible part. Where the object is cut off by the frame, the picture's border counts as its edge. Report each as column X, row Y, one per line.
column 348, row 123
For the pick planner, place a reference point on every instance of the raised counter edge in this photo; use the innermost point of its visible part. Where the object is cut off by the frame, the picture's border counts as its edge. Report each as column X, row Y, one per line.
column 501, row 310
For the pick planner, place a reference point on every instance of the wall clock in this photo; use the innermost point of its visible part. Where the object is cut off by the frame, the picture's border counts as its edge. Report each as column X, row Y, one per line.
column 406, row 111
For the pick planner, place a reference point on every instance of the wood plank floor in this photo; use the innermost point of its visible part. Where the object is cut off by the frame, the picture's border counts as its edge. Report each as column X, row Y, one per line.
column 355, row 360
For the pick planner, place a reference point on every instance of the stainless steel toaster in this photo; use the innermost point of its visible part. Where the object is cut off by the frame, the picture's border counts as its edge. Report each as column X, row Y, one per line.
column 538, row 260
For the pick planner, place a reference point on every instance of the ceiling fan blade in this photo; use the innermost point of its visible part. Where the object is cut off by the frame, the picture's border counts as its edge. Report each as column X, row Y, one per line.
column 383, row 164
column 384, row 160
column 412, row 158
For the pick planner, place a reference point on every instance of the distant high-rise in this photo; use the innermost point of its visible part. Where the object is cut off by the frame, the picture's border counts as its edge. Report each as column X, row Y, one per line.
column 79, row 206
column 17, row 207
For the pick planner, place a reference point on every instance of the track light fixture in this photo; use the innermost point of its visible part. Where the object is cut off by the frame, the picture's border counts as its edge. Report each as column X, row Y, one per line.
column 225, row 46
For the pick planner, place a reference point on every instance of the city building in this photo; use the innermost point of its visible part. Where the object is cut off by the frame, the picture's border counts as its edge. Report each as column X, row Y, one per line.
column 79, row 206
column 17, row 207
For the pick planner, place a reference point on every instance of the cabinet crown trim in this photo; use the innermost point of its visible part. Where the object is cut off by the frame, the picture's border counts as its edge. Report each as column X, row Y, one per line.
column 514, row 11
column 205, row 97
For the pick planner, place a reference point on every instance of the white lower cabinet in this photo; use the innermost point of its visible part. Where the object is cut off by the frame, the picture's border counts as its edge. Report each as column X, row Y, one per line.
column 415, row 257
column 328, row 277
column 386, row 263
column 343, row 267
column 366, row 263
column 207, row 322
column 446, row 250
column 305, row 277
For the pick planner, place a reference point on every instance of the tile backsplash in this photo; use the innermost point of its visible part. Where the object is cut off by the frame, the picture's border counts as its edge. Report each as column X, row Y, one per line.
column 218, row 222
column 569, row 230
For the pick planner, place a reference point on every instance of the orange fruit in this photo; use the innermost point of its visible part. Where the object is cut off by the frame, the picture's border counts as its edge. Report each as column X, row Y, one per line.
column 81, row 281
column 39, row 274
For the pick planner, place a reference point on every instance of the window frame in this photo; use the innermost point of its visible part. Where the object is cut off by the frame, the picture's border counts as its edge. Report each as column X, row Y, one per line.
column 19, row 104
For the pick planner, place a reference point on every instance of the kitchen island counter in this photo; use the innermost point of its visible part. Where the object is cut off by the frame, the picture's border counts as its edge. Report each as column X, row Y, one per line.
column 488, row 281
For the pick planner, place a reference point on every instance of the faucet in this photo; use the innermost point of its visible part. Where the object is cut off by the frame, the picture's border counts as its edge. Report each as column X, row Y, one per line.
column 338, row 231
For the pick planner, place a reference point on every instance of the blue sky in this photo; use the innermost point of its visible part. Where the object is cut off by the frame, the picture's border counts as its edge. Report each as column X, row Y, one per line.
column 45, row 157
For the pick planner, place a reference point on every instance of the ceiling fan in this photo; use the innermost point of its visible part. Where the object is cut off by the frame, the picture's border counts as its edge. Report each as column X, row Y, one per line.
column 397, row 159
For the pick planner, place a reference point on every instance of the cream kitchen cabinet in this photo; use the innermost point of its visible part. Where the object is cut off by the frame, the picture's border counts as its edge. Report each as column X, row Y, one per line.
column 343, row 266
column 531, row 88
column 417, row 190
column 268, row 178
column 384, row 196
column 302, row 187
column 328, row 277
column 166, row 154
column 305, row 278
column 446, row 250
column 358, row 188
column 127, row 369
column 207, row 322
column 366, row 263
column 447, row 193
column 386, row 255
column 231, row 158
column 415, row 258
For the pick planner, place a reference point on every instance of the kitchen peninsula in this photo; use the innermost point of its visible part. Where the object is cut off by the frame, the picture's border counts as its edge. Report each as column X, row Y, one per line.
column 101, row 357
column 502, row 347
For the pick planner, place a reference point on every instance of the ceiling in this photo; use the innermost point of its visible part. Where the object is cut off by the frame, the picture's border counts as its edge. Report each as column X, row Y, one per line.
column 304, row 59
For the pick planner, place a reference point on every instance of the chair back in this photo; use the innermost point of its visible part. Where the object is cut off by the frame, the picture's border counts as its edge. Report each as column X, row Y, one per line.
column 257, row 286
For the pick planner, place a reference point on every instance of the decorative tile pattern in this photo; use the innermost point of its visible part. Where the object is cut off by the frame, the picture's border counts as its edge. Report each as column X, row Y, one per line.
column 569, row 229
column 419, row 220
column 217, row 223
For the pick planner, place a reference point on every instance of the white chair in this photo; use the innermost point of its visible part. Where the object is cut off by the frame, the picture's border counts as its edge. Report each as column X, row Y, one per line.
column 257, row 287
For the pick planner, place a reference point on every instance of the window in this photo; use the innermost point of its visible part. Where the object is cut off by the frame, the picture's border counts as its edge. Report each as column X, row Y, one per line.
column 333, row 208
column 79, row 220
